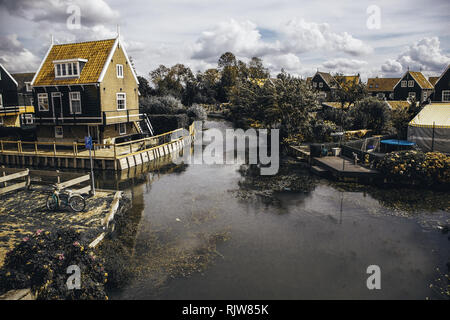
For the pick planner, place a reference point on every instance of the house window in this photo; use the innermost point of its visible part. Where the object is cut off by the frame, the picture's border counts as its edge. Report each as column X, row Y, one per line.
column 320, row 84
column 43, row 101
column 411, row 95
column 314, row 84
column 445, row 95
column 59, row 133
column 69, row 69
column 121, row 101
column 376, row 86
column 411, row 83
column 75, row 103
column 1, row 101
column 28, row 118
column 391, row 95
column 322, row 95
column 404, row 82
column 119, row 69
column 28, row 86
column 371, row 85
column 425, row 95
column 122, row 128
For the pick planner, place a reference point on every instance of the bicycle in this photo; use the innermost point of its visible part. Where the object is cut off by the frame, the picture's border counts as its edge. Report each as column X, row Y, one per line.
column 60, row 199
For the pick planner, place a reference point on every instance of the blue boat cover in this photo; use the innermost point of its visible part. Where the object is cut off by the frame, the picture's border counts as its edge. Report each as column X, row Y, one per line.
column 398, row 142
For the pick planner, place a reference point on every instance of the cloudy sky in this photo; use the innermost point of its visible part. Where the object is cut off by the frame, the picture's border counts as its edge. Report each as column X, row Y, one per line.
column 370, row 37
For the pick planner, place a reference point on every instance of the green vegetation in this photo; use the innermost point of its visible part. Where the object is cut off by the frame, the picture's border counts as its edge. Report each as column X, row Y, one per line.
column 416, row 167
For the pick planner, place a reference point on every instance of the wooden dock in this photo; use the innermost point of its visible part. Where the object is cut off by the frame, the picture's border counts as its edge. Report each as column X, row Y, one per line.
column 341, row 167
column 117, row 156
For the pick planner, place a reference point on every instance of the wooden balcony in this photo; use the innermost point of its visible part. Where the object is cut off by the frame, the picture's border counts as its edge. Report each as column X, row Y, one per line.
column 103, row 118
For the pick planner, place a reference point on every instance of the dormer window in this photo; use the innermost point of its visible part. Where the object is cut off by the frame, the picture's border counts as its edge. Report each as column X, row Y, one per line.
column 69, row 68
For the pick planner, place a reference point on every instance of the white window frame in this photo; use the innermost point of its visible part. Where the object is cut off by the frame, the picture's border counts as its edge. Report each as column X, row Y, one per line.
column 1, row 100
column 411, row 84
column 43, row 96
column 64, row 70
column 124, row 100
column 124, row 127
column 320, row 84
column 57, row 135
column 28, row 87
column 404, row 83
column 72, row 99
column 29, row 118
column 425, row 95
column 314, row 84
column 446, row 92
column 119, row 70
column 411, row 94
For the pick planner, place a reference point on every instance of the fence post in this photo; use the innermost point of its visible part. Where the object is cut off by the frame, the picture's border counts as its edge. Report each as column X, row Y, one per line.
column 432, row 139
column 54, row 148
column 35, row 148
column 58, row 178
column 1, row 143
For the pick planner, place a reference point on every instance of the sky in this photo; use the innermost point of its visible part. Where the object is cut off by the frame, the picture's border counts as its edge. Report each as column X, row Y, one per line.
column 373, row 38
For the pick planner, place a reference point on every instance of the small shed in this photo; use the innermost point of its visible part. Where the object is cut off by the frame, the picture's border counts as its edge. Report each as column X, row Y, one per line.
column 430, row 128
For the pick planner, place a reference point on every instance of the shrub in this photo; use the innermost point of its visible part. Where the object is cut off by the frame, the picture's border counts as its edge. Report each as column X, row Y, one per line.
column 167, row 122
column 161, row 105
column 371, row 113
column 416, row 167
column 197, row 112
column 41, row 260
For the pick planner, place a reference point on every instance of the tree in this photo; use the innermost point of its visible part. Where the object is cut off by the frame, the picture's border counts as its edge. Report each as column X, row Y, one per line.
column 144, row 87
column 371, row 113
column 349, row 91
column 257, row 70
column 284, row 103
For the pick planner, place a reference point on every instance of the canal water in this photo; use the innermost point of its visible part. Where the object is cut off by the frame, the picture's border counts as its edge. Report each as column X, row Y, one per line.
column 193, row 235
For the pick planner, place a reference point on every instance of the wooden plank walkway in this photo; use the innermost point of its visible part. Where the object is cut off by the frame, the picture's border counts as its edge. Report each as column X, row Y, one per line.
column 344, row 167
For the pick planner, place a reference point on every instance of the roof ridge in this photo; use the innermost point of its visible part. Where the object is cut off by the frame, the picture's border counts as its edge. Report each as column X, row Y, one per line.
column 64, row 44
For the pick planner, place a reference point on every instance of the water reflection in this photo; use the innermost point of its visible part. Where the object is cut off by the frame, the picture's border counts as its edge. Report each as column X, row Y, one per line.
column 194, row 236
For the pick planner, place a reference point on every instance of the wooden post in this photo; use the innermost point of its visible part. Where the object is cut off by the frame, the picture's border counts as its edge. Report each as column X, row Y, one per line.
column 58, row 178
column 4, row 174
column 35, row 148
column 54, row 148
column 74, row 147
column 1, row 143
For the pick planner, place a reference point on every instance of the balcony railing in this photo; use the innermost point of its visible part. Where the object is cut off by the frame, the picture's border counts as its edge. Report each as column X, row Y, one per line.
column 105, row 118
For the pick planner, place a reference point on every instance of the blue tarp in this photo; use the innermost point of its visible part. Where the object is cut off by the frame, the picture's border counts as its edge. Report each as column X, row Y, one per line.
column 398, row 142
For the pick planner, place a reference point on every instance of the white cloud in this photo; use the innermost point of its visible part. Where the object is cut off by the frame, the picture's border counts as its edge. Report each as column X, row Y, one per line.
column 344, row 64
column 55, row 11
column 15, row 57
column 241, row 38
column 295, row 37
column 425, row 54
column 301, row 36
column 391, row 66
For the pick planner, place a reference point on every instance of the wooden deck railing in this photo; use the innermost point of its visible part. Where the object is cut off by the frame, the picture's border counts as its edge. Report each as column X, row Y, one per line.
column 109, row 151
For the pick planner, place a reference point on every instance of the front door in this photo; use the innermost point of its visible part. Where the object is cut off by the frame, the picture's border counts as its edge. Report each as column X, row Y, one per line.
column 57, row 106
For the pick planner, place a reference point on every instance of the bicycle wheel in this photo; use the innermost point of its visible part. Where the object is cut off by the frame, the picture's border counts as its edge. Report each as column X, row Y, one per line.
column 77, row 203
column 52, row 202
